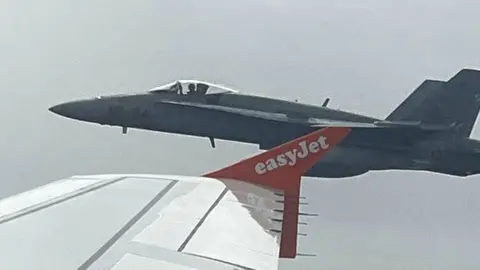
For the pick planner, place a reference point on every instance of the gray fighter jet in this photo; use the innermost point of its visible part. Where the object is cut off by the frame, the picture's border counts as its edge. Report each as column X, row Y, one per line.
column 429, row 131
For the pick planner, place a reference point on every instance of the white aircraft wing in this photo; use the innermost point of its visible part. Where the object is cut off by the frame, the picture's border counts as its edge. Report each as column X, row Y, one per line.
column 140, row 222
column 126, row 222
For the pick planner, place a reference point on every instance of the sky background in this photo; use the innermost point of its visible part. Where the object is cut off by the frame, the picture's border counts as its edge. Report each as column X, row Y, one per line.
column 367, row 56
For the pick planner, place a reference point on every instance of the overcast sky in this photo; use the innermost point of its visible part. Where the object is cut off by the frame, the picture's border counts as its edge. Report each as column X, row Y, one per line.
column 366, row 55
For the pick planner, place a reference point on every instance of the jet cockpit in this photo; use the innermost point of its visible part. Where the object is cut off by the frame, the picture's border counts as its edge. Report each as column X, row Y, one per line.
column 192, row 87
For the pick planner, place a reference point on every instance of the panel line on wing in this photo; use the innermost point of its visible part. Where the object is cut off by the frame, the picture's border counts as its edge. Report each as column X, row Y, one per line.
column 127, row 226
column 241, row 267
column 57, row 200
column 199, row 224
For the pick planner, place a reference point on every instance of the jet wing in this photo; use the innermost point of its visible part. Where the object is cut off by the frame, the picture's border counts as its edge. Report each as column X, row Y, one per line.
column 315, row 122
column 237, row 111
column 122, row 222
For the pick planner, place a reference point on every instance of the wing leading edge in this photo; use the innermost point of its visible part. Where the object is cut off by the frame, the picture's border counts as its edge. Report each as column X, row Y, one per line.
column 244, row 216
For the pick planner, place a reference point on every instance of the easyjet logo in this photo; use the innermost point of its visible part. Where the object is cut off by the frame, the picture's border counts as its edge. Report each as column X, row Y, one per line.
column 291, row 157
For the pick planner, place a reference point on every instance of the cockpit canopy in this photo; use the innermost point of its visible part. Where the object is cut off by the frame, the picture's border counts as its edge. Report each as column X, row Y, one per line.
column 192, row 87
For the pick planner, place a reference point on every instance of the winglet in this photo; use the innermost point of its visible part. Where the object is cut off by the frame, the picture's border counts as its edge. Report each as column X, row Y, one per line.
column 282, row 168
column 282, row 165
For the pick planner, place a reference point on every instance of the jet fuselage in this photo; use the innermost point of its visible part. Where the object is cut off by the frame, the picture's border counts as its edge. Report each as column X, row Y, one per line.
column 362, row 151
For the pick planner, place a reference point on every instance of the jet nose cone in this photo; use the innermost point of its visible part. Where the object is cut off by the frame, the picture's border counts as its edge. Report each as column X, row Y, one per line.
column 78, row 110
column 56, row 109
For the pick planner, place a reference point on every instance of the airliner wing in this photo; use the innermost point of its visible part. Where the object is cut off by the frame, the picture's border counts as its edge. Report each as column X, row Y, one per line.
column 140, row 222
column 243, row 216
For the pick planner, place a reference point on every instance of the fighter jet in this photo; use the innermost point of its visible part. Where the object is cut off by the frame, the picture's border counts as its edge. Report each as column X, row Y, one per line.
column 243, row 216
column 429, row 131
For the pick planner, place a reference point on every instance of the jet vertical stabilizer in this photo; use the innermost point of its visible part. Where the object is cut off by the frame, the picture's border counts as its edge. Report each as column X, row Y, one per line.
column 452, row 103
column 411, row 106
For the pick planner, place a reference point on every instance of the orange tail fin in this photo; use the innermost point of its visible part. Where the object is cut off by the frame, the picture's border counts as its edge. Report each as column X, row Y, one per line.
column 282, row 168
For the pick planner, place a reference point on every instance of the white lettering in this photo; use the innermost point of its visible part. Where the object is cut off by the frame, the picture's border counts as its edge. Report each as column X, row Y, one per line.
column 271, row 164
column 323, row 144
column 303, row 146
column 291, row 157
column 281, row 160
column 260, row 168
column 313, row 147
